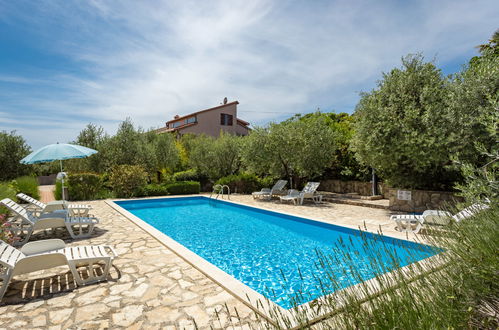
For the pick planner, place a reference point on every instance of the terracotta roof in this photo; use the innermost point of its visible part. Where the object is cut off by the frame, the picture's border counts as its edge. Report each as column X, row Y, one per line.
column 195, row 113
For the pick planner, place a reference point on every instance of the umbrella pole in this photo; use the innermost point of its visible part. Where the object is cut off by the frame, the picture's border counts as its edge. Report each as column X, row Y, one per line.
column 62, row 181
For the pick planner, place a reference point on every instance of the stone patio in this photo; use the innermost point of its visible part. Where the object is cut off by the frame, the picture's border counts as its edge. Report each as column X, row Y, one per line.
column 149, row 286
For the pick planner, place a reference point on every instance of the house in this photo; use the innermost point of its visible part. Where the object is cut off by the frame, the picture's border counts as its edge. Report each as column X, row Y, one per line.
column 209, row 121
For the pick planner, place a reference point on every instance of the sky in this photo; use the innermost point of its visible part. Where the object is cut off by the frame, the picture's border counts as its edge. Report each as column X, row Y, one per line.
column 64, row 64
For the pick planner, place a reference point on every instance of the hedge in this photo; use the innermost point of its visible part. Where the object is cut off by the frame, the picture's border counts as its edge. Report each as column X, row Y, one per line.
column 84, row 186
column 155, row 190
column 127, row 180
column 183, row 188
column 241, row 183
column 27, row 185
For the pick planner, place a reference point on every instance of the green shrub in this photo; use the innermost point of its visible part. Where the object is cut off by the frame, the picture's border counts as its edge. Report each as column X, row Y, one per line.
column 155, row 190
column 183, row 188
column 267, row 182
column 6, row 191
column 27, row 185
column 13, row 148
column 189, row 175
column 84, row 186
column 127, row 180
column 241, row 183
column 58, row 190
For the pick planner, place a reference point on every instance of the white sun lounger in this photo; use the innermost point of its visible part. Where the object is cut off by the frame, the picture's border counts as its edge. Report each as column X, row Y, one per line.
column 80, row 210
column 308, row 192
column 267, row 193
column 45, row 254
column 413, row 223
column 24, row 223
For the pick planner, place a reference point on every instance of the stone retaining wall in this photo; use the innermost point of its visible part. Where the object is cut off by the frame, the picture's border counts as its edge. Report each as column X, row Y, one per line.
column 422, row 200
column 345, row 187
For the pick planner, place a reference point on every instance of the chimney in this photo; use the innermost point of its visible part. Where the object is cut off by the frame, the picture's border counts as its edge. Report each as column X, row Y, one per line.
column 176, row 117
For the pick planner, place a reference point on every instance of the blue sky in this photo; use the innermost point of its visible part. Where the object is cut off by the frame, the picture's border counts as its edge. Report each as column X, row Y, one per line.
column 64, row 63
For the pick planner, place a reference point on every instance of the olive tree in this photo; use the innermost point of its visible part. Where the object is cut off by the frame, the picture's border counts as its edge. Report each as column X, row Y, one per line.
column 474, row 108
column 296, row 148
column 474, row 102
column 13, row 148
column 94, row 137
column 129, row 146
column 215, row 157
column 402, row 127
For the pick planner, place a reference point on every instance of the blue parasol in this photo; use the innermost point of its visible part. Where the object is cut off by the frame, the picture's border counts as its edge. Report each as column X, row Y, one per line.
column 60, row 152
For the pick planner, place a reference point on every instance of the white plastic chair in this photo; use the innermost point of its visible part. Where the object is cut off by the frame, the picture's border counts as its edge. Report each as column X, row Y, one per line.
column 267, row 193
column 413, row 223
column 80, row 210
column 45, row 254
column 24, row 223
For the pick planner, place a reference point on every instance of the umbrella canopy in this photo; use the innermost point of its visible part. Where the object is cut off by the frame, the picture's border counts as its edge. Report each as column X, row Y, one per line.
column 57, row 151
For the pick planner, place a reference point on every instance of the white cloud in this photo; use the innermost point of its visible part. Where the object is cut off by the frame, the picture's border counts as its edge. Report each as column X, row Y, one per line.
column 150, row 60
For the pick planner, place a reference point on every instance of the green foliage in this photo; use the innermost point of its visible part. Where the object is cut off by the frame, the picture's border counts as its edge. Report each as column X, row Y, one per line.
column 27, row 185
column 244, row 183
column 58, row 190
column 6, row 191
column 129, row 146
column 474, row 110
column 401, row 127
column 189, row 175
column 344, row 165
column 127, row 180
column 481, row 183
column 215, row 158
column 298, row 147
column 13, row 148
column 93, row 137
column 84, row 186
column 155, row 189
column 183, row 188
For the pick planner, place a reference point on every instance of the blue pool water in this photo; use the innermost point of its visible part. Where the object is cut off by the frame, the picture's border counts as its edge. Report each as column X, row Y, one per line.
column 275, row 254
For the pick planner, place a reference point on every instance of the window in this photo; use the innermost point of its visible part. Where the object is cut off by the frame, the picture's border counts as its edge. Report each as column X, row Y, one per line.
column 176, row 124
column 225, row 119
column 190, row 120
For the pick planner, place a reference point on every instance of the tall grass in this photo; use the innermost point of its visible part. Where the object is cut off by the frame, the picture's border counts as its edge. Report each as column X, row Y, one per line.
column 457, row 289
column 27, row 185
column 6, row 191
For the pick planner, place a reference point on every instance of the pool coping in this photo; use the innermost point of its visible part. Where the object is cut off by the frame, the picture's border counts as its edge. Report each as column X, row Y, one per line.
column 255, row 300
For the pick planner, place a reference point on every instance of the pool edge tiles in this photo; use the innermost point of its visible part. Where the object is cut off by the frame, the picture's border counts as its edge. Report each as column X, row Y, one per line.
column 247, row 295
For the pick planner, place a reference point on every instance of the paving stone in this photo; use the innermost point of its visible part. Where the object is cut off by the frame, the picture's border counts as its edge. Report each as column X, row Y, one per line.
column 60, row 315
column 198, row 314
column 128, row 315
column 91, row 312
column 137, row 292
column 217, row 299
column 39, row 321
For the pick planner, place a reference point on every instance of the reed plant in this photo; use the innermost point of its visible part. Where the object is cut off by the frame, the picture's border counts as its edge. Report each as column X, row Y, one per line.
column 458, row 288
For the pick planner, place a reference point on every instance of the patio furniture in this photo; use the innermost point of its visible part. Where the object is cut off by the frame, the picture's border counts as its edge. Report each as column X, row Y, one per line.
column 308, row 192
column 45, row 254
column 413, row 223
column 24, row 223
column 36, row 206
column 293, row 195
column 267, row 193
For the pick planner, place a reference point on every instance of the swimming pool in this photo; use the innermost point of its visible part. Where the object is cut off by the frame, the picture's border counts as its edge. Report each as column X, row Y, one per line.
column 275, row 254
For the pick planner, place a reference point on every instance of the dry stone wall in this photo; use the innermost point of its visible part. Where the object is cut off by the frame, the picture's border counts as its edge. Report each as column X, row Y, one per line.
column 421, row 200
column 346, row 187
